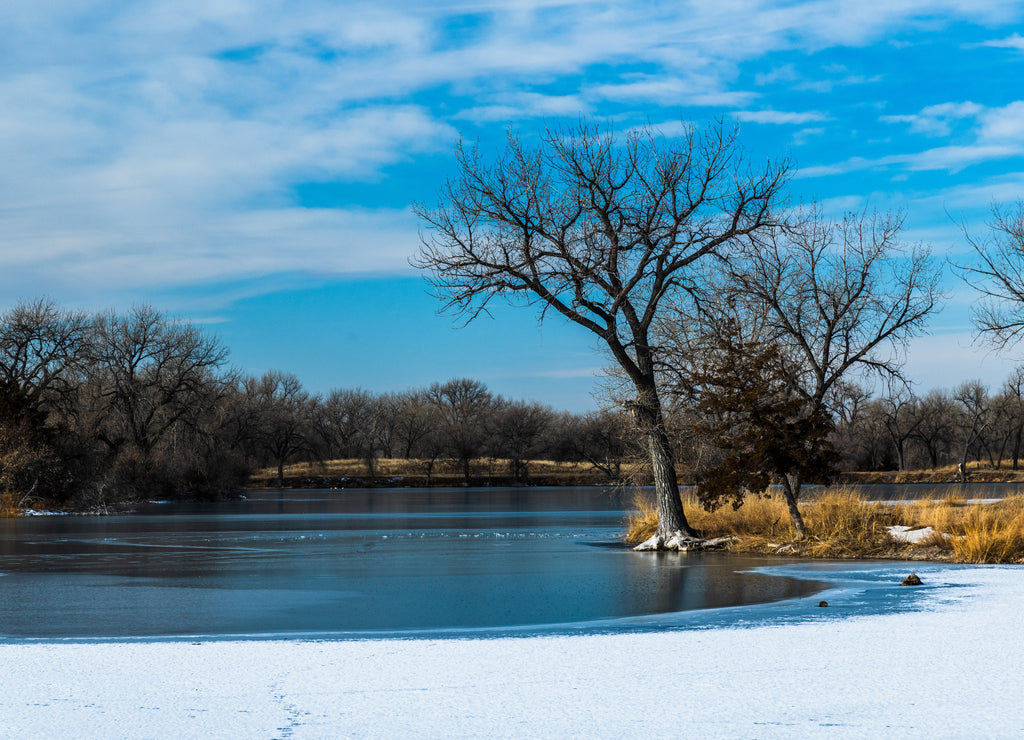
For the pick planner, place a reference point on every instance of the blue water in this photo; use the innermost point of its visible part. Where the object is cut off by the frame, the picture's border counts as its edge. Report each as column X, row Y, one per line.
column 399, row 562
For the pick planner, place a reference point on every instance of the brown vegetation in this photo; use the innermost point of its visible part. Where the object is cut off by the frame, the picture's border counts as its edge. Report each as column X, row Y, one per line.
column 841, row 524
column 352, row 473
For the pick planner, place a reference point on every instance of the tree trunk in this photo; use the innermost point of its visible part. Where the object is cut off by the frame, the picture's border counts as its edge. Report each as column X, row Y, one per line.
column 280, row 473
column 791, row 492
column 651, row 423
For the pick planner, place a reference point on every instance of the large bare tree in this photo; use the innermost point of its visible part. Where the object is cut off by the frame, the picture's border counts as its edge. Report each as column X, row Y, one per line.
column 599, row 229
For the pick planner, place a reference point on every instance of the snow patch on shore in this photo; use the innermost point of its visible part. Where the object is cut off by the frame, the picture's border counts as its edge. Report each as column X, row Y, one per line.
column 949, row 669
column 914, row 535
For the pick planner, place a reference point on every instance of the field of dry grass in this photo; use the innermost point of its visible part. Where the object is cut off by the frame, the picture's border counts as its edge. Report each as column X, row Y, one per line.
column 403, row 472
column 841, row 524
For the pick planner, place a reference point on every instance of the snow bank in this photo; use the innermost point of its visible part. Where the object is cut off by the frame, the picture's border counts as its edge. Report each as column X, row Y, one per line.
column 949, row 670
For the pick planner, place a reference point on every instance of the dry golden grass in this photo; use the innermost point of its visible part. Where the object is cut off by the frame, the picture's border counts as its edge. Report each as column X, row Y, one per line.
column 8, row 506
column 992, row 533
column 841, row 524
column 758, row 517
column 440, row 470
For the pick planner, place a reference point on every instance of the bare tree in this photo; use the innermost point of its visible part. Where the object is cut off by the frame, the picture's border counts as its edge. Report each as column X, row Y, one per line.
column 599, row 230
column 41, row 348
column 415, row 421
column 998, row 275
column 346, row 422
column 149, row 374
column 899, row 414
column 974, row 419
column 519, row 429
column 1006, row 424
column 936, row 430
column 282, row 430
column 835, row 297
column 603, row 439
column 462, row 407
column 839, row 296
column 874, row 448
column 1013, row 395
column 849, row 403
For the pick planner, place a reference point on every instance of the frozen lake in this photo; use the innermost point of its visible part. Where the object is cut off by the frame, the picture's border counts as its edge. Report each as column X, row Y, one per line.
column 357, row 563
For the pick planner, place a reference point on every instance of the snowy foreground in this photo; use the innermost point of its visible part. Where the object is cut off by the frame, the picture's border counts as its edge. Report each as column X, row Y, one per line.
column 953, row 669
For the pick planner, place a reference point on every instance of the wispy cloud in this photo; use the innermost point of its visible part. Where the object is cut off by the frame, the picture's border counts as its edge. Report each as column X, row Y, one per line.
column 524, row 105
column 996, row 134
column 779, row 117
column 936, row 120
column 1015, row 41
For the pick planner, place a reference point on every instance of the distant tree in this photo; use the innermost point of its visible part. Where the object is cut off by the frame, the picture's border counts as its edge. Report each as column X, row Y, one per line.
column 42, row 347
column 415, row 422
column 346, row 422
column 1005, row 423
column 519, row 429
column 599, row 230
column 603, row 439
column 149, row 381
column 874, row 445
column 387, row 407
column 975, row 417
column 462, row 407
column 937, row 428
column 900, row 415
column 1013, row 401
column 282, row 430
column 848, row 402
column 151, row 373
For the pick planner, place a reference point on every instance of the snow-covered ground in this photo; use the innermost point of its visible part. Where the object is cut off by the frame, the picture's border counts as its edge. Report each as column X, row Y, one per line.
column 951, row 669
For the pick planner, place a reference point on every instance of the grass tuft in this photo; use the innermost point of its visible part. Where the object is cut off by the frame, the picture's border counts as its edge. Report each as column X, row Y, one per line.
column 992, row 533
column 642, row 522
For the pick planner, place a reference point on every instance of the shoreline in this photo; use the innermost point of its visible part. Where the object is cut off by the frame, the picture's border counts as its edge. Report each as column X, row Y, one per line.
column 947, row 667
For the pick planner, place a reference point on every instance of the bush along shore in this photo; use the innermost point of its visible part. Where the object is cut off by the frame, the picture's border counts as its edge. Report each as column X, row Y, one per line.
column 843, row 524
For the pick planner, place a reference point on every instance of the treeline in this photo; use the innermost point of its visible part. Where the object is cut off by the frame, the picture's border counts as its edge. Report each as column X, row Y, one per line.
column 900, row 430
column 103, row 408
column 451, row 424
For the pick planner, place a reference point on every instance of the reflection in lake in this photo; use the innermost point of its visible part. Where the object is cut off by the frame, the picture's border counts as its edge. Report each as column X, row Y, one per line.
column 352, row 563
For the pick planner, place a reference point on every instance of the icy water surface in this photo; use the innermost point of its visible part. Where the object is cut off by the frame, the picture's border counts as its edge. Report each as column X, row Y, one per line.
column 324, row 563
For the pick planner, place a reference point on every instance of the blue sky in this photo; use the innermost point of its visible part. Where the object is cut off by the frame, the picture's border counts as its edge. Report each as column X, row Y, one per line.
column 250, row 165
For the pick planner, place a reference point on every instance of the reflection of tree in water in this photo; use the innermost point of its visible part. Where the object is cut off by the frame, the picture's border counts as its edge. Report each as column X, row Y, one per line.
column 670, row 582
